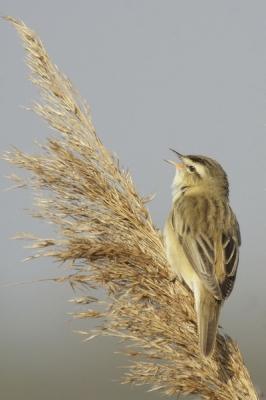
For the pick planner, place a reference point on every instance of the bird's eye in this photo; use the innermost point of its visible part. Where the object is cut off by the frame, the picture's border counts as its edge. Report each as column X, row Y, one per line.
column 191, row 168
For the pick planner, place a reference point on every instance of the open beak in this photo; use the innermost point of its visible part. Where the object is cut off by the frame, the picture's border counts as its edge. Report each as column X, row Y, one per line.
column 181, row 166
column 175, row 164
column 178, row 154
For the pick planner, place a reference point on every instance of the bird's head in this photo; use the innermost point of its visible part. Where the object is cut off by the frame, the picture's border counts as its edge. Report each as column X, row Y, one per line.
column 200, row 174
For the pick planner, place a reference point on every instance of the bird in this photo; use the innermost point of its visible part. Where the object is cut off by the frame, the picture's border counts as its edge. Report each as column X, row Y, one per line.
column 202, row 240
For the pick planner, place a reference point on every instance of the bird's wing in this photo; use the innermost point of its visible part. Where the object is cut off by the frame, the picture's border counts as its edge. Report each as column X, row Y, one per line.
column 203, row 252
column 230, row 246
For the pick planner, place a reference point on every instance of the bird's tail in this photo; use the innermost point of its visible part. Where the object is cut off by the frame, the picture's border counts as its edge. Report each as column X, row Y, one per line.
column 208, row 311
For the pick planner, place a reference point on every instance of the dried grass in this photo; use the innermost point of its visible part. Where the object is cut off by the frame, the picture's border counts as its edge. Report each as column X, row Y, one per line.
column 105, row 233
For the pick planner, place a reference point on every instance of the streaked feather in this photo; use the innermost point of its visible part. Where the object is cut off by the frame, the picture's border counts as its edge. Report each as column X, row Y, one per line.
column 196, row 228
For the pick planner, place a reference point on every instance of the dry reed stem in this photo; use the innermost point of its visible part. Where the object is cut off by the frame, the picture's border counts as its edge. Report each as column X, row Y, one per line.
column 105, row 233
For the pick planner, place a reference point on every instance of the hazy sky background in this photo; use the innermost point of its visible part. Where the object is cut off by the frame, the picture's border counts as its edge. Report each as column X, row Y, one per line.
column 188, row 75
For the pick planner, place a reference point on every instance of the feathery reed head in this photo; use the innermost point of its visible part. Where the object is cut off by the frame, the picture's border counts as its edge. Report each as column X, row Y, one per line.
column 104, row 232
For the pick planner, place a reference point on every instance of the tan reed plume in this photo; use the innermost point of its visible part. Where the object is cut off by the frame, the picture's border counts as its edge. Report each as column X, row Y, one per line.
column 105, row 234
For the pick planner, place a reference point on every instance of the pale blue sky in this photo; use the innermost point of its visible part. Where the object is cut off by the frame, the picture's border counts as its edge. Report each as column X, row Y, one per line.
column 188, row 75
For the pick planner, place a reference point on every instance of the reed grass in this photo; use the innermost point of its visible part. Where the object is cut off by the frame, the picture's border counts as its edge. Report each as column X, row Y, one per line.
column 105, row 236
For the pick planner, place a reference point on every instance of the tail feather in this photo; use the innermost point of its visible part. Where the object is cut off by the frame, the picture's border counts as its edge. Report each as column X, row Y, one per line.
column 208, row 312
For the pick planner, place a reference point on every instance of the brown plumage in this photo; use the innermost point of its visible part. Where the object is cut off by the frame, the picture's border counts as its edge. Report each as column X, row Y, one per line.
column 202, row 240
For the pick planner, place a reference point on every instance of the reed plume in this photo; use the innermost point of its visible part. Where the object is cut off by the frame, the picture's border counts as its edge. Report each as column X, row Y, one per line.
column 105, row 235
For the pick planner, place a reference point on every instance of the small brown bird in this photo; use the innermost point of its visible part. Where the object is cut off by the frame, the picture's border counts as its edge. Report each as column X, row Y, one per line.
column 202, row 239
